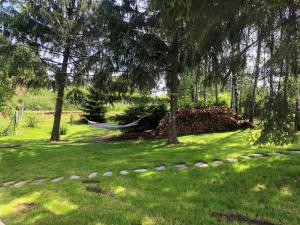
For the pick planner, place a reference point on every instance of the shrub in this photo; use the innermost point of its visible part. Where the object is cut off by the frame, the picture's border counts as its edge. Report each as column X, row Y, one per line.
column 94, row 106
column 63, row 129
column 72, row 119
column 151, row 115
column 76, row 97
column 31, row 121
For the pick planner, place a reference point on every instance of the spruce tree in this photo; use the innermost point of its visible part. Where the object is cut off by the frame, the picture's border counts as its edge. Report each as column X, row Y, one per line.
column 94, row 105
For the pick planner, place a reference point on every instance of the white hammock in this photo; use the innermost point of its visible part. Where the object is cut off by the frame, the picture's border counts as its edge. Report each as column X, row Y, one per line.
column 111, row 127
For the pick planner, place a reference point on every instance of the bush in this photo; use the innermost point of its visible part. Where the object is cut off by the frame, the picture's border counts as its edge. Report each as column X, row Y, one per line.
column 76, row 97
column 31, row 121
column 151, row 115
column 72, row 119
column 94, row 106
column 63, row 129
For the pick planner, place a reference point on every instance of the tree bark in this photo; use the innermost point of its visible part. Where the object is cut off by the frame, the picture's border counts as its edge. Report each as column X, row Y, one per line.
column 197, row 86
column 216, row 94
column 174, row 81
column 172, row 139
column 173, row 84
column 297, row 113
column 256, row 75
column 61, row 81
column 234, row 94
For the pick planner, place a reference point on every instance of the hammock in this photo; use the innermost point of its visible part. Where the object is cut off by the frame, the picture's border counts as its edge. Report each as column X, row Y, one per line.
column 111, row 127
column 117, row 127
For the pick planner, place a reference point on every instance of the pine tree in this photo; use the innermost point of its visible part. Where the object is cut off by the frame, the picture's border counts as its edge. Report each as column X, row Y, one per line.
column 58, row 30
column 94, row 105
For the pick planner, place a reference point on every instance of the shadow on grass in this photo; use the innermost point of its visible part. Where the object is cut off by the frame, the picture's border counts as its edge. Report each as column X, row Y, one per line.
column 264, row 189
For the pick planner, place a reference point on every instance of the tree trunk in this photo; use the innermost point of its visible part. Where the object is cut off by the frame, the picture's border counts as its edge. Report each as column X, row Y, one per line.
column 61, row 81
column 256, row 75
column 216, row 93
column 173, row 85
column 234, row 94
column 297, row 113
column 172, row 139
column 197, row 85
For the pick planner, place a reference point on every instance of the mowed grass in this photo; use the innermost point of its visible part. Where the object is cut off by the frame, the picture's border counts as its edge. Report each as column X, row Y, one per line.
column 266, row 189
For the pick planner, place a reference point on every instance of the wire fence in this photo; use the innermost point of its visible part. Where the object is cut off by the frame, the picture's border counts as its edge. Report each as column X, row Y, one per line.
column 13, row 124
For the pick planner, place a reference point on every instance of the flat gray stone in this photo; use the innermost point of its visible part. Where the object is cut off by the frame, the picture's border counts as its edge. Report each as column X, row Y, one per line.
column 74, row 177
column 296, row 152
column 93, row 175
column 140, row 170
column 201, row 164
column 9, row 145
column 160, row 168
column 20, row 183
column 217, row 162
column 9, row 183
column 180, row 166
column 124, row 172
column 38, row 181
column 257, row 155
column 246, row 157
column 57, row 179
column 107, row 174
column 232, row 159
column 276, row 154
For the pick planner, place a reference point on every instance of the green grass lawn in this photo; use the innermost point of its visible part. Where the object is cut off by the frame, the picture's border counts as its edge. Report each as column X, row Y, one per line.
column 262, row 189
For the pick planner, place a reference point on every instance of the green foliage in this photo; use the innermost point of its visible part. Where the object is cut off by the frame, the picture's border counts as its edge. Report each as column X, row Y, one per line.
column 40, row 100
column 140, row 99
column 20, row 62
column 76, row 97
column 63, row 130
column 278, row 124
column 150, row 114
column 6, row 90
column 72, row 119
column 31, row 121
column 94, row 106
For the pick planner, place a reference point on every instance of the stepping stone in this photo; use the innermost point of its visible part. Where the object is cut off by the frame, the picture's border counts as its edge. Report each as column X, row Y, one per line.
column 57, row 179
column 201, row 164
column 1, row 223
column 160, row 168
column 124, row 172
column 74, row 177
column 9, row 146
column 180, row 166
column 246, row 157
column 20, row 183
column 140, row 170
column 232, row 159
column 38, row 181
column 217, row 162
column 257, row 155
column 93, row 175
column 107, row 174
column 276, row 154
column 9, row 183
column 296, row 152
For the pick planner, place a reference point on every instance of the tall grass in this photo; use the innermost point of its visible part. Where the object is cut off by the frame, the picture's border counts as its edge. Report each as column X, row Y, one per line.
column 39, row 100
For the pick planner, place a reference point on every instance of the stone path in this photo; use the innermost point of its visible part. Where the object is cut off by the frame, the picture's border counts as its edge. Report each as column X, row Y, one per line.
column 159, row 168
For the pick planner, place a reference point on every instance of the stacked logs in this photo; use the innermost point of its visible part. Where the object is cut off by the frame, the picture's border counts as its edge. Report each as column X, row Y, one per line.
column 194, row 121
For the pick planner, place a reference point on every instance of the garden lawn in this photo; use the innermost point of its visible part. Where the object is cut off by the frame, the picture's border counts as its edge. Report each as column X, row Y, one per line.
column 253, row 191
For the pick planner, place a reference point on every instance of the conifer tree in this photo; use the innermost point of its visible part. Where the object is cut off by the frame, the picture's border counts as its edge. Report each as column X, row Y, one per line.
column 94, row 105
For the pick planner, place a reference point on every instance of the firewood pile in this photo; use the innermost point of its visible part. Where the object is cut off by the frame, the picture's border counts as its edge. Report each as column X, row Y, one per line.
column 194, row 121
